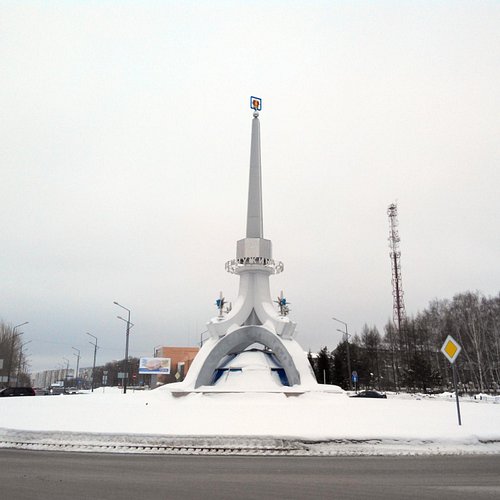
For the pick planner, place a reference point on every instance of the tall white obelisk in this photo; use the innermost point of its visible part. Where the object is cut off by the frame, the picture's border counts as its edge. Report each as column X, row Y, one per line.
column 253, row 319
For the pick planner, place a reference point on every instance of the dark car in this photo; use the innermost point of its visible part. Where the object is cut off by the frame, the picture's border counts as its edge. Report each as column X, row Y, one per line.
column 369, row 394
column 17, row 391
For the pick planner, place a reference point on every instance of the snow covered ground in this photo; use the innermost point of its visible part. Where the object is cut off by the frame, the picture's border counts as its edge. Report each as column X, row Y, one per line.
column 307, row 424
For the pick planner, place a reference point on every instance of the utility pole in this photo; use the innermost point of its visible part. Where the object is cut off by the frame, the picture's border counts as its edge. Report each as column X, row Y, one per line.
column 77, row 364
column 127, row 333
column 95, row 353
column 347, row 348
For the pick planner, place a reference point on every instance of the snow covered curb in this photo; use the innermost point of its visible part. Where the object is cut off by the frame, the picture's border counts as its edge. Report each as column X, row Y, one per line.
column 236, row 445
column 249, row 423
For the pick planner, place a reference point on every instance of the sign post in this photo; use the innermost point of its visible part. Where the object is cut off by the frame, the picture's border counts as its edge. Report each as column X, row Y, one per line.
column 355, row 380
column 451, row 349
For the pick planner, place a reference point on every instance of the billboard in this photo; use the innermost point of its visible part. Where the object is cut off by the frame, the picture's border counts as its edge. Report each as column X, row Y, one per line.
column 154, row 366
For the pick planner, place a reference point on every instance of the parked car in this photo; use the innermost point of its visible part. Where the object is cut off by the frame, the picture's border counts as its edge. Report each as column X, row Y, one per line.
column 17, row 391
column 56, row 391
column 369, row 394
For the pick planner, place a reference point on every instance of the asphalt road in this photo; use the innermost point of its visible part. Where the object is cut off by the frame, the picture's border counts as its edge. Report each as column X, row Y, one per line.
column 74, row 476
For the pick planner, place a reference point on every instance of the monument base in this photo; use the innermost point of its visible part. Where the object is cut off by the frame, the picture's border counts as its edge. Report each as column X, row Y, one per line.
column 255, row 370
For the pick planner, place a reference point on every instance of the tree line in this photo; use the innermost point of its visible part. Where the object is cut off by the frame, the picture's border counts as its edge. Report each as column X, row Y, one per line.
column 14, row 367
column 108, row 374
column 411, row 359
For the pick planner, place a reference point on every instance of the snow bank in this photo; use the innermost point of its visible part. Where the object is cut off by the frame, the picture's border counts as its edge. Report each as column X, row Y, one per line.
column 314, row 418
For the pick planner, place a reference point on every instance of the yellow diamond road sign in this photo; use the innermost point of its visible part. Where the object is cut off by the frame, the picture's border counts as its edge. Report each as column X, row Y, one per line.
column 451, row 349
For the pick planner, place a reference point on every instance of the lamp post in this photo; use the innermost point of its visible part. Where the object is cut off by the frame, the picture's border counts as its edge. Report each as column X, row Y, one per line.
column 347, row 348
column 60, row 369
column 129, row 327
column 93, row 366
column 12, row 349
column 126, row 343
column 67, row 370
column 20, row 360
column 77, row 364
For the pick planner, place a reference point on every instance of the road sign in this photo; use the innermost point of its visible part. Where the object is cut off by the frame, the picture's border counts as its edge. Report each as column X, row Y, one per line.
column 451, row 349
column 354, row 376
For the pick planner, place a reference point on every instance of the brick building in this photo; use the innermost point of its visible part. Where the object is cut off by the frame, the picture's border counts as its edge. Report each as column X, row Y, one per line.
column 181, row 359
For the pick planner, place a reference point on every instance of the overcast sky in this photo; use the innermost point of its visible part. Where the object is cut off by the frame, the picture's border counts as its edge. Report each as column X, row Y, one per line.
column 124, row 150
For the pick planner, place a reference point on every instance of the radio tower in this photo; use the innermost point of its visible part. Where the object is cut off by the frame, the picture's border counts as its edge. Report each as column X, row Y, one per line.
column 398, row 305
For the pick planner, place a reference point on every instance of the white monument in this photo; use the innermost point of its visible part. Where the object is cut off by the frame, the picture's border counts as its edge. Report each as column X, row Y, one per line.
column 252, row 346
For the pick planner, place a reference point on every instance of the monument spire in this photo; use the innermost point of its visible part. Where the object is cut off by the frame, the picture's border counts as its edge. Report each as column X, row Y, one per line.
column 254, row 212
column 252, row 335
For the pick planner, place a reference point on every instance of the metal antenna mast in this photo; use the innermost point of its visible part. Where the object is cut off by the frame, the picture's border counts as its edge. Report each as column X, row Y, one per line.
column 398, row 307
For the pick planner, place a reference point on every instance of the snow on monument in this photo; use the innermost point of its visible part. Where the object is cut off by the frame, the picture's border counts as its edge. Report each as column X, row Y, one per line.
column 252, row 346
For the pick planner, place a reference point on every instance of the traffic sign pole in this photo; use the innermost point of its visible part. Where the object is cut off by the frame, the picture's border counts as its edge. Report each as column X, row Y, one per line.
column 451, row 349
column 354, row 378
column 456, row 392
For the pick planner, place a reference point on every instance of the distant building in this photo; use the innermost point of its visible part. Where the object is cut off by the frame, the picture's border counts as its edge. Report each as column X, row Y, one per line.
column 180, row 362
column 46, row 378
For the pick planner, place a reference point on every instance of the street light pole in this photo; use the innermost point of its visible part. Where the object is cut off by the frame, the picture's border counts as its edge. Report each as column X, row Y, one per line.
column 20, row 361
column 126, row 345
column 129, row 327
column 347, row 348
column 77, row 364
column 67, row 370
column 95, row 352
column 12, row 349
